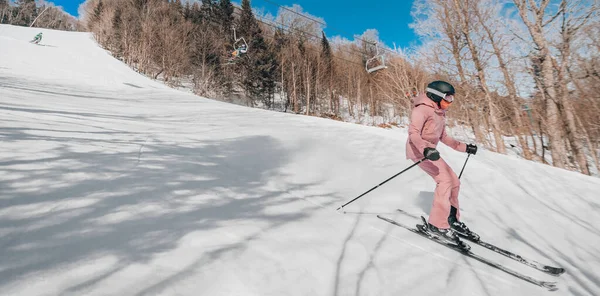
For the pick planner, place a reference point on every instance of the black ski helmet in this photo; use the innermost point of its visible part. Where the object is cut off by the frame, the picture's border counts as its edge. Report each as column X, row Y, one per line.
column 437, row 90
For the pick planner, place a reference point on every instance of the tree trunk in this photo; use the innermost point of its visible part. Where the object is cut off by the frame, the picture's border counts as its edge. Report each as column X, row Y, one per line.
column 372, row 109
column 545, row 79
column 295, row 96
column 569, row 116
column 508, row 82
column 449, row 26
column 449, row 29
column 466, row 30
column 318, row 101
column 358, row 102
column 542, row 142
column 282, row 93
column 590, row 145
column 307, row 88
column 334, row 108
column 567, row 108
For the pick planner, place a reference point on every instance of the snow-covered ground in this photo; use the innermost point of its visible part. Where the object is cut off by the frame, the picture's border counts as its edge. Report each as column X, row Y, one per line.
column 114, row 184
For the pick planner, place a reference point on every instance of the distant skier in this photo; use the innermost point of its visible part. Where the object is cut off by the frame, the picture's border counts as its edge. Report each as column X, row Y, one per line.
column 37, row 38
column 427, row 128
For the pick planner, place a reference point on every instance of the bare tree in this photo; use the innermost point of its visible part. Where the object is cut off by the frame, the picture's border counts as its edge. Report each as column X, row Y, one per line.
column 464, row 9
column 439, row 22
column 571, row 22
column 534, row 17
column 488, row 18
column 5, row 12
column 26, row 11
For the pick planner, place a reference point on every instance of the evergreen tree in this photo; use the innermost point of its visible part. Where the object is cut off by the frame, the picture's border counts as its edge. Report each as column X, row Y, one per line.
column 179, row 7
column 207, row 50
column 225, row 15
column 140, row 4
column 223, row 11
column 326, row 54
column 187, row 11
column 195, row 13
column 209, row 10
column 279, row 39
column 328, row 71
column 259, row 63
column 208, row 14
column 117, row 24
column 301, row 46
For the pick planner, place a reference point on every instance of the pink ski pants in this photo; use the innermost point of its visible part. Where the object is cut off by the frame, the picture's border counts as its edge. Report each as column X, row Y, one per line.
column 446, row 192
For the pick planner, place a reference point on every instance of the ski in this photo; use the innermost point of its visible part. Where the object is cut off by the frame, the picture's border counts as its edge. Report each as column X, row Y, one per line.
column 551, row 286
column 555, row 271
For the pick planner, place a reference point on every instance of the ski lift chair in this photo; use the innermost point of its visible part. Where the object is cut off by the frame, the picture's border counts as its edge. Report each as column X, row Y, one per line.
column 371, row 65
column 239, row 44
column 240, row 47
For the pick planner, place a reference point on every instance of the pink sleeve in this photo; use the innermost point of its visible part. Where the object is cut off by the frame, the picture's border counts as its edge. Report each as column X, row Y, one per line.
column 452, row 143
column 417, row 122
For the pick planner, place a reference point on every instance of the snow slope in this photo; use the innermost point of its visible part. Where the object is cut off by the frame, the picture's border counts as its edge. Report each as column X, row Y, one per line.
column 113, row 184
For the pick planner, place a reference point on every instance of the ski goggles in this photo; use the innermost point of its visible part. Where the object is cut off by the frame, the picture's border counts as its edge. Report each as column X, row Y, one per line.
column 447, row 98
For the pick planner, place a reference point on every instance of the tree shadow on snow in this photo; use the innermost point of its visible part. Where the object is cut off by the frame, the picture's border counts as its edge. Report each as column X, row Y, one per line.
column 132, row 205
column 24, row 86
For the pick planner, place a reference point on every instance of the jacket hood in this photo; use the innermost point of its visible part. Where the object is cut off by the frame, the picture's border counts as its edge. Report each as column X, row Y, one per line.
column 422, row 99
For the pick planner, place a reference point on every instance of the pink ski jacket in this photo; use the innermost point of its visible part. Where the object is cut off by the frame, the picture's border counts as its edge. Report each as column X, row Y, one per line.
column 428, row 127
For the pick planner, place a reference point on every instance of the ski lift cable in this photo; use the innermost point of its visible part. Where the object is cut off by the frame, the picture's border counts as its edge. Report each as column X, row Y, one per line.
column 310, row 18
column 317, row 37
column 351, row 51
column 310, row 35
column 290, row 30
column 324, row 24
column 377, row 56
column 276, row 26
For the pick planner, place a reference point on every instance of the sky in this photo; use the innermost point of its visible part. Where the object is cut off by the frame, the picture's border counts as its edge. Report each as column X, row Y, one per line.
column 349, row 18
column 343, row 18
column 69, row 6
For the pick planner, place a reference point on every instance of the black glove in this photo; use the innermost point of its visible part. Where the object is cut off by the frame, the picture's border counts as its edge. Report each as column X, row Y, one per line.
column 471, row 149
column 431, row 154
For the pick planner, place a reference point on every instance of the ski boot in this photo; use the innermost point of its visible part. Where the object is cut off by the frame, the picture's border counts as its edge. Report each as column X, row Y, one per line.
column 462, row 230
column 459, row 227
column 447, row 235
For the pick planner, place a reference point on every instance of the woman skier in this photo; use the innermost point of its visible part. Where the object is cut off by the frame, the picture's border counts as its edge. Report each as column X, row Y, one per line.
column 427, row 128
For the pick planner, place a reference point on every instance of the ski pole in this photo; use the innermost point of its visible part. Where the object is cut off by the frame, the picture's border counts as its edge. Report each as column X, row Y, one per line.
column 461, row 171
column 392, row 177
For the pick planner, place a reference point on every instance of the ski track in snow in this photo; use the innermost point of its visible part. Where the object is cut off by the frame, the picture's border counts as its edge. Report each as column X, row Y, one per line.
column 114, row 184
